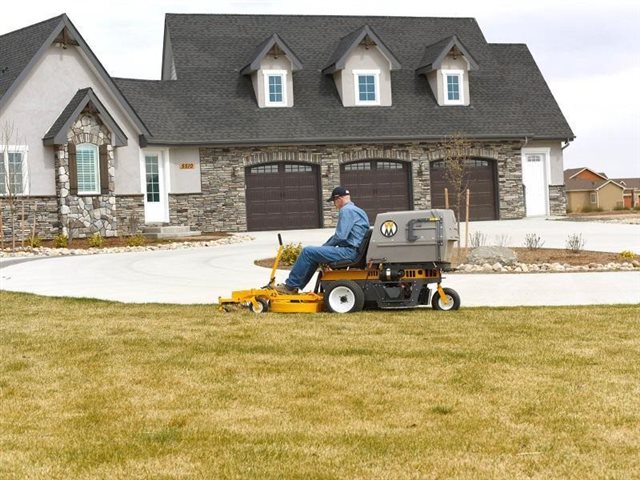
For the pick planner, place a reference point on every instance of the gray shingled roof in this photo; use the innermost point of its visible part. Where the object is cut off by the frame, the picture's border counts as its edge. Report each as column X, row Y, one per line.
column 264, row 48
column 18, row 48
column 57, row 134
column 211, row 103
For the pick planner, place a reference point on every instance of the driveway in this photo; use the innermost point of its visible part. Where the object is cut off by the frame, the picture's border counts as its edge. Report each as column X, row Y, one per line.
column 201, row 275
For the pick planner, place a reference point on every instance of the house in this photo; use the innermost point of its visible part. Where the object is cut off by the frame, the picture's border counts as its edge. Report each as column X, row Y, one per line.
column 257, row 117
column 588, row 190
column 631, row 191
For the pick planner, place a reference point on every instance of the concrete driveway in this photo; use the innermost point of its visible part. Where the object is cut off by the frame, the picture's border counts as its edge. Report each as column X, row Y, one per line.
column 201, row 275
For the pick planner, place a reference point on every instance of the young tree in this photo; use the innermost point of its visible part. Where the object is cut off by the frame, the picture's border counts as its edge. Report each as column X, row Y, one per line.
column 456, row 153
column 12, row 176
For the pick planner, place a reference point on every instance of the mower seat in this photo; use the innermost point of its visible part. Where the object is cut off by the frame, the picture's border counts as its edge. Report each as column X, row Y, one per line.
column 361, row 260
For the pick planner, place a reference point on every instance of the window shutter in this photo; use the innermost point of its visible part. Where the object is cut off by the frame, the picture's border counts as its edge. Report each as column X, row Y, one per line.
column 104, row 170
column 73, row 169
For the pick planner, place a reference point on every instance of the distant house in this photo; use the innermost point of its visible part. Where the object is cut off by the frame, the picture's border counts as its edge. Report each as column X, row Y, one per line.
column 588, row 190
column 631, row 191
column 257, row 117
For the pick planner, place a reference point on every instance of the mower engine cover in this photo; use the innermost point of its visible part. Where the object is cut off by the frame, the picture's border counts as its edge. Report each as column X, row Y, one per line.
column 414, row 237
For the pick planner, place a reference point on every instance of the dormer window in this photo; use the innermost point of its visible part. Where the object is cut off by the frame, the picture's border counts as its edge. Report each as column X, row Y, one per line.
column 446, row 66
column 271, row 69
column 361, row 67
column 453, row 81
column 275, row 82
column 367, row 85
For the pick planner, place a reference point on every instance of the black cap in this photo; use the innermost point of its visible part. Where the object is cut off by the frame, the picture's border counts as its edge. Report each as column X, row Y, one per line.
column 338, row 192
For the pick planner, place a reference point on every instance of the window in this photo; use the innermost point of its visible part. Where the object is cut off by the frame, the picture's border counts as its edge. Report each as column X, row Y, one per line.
column 297, row 168
column 357, row 166
column 453, row 87
column 88, row 171
column 275, row 84
column 367, row 87
column 594, row 198
column 261, row 169
column 13, row 171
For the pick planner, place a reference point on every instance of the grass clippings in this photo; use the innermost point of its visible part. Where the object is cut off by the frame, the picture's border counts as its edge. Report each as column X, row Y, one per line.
column 92, row 389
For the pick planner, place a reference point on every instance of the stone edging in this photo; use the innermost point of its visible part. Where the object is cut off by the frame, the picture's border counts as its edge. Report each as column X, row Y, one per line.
column 546, row 267
column 59, row 252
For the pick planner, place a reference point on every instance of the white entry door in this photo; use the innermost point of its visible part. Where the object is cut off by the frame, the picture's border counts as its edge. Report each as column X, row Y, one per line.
column 534, row 178
column 156, row 202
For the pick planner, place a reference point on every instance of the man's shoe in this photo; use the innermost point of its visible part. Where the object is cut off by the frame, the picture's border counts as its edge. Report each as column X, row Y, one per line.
column 286, row 289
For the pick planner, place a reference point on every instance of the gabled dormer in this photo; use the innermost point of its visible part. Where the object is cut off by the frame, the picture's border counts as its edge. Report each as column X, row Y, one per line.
column 446, row 65
column 361, row 67
column 271, row 69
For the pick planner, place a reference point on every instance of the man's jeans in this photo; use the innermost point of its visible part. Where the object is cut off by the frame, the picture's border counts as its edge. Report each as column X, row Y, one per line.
column 309, row 259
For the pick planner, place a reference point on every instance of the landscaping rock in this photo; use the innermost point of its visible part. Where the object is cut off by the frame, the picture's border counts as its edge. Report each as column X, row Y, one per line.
column 492, row 255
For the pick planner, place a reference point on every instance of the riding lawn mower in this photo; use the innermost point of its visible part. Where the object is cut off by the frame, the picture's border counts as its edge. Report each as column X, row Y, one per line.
column 399, row 265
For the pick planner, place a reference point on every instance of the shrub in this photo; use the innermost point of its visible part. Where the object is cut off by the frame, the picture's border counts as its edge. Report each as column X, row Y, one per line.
column 533, row 241
column 60, row 241
column 478, row 239
column 627, row 255
column 35, row 241
column 136, row 240
column 95, row 240
column 575, row 242
column 502, row 240
column 290, row 253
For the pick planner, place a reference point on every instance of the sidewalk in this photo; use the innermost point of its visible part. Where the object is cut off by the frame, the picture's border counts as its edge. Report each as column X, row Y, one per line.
column 201, row 275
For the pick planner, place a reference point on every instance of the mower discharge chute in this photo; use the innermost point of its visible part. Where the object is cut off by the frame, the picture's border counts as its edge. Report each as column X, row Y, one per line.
column 399, row 265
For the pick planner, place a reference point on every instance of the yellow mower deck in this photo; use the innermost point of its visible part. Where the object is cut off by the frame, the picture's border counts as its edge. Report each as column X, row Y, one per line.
column 277, row 302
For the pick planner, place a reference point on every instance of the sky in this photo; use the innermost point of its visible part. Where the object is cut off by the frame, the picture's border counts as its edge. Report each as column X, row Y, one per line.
column 588, row 51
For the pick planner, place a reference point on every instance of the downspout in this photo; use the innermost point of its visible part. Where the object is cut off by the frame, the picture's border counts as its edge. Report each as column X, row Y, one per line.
column 568, row 142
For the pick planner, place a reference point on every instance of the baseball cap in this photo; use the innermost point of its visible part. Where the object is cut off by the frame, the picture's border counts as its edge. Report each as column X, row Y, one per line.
column 338, row 192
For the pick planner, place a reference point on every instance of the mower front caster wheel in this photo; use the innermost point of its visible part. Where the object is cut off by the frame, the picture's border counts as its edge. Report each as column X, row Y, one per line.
column 343, row 296
column 261, row 306
column 453, row 300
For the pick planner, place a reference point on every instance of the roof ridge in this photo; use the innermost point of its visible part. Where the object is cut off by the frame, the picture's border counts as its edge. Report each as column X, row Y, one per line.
column 301, row 15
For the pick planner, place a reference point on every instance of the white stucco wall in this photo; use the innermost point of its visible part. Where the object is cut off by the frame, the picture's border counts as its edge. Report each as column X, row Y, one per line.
column 39, row 101
column 362, row 58
column 556, row 162
column 184, row 180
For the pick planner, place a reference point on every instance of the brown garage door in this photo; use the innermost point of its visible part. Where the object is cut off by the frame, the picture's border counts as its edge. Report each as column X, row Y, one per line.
column 377, row 185
column 282, row 196
column 481, row 181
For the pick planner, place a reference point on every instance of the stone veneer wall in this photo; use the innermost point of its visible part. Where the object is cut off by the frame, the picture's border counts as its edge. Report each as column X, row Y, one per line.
column 221, row 205
column 130, row 214
column 45, row 210
column 557, row 200
column 83, row 215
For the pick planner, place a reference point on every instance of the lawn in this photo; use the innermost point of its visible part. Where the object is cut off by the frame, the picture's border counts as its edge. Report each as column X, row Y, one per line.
column 92, row 389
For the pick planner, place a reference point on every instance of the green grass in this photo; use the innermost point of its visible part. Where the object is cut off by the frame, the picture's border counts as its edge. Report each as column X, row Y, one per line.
column 92, row 389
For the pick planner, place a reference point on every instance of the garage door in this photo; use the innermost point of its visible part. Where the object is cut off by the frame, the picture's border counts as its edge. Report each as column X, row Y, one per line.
column 282, row 196
column 481, row 180
column 378, row 185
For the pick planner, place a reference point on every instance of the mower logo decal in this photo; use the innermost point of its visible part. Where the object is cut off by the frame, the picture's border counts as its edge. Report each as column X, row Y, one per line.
column 388, row 228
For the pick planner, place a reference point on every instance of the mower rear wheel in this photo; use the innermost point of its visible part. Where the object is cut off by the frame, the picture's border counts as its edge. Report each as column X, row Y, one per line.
column 453, row 300
column 344, row 296
column 261, row 307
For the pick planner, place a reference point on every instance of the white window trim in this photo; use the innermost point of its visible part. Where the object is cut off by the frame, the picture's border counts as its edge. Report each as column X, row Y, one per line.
column 445, row 87
column 98, row 190
column 4, row 157
column 275, row 73
column 376, row 79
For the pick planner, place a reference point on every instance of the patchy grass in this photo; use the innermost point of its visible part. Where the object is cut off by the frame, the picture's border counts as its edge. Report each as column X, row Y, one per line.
column 92, row 389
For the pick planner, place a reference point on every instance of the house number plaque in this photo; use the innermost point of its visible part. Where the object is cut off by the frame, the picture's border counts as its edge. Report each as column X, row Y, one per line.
column 186, row 166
